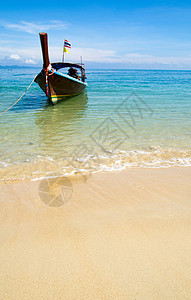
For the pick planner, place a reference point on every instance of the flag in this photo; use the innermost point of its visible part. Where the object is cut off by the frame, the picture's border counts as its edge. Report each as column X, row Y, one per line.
column 65, row 50
column 67, row 44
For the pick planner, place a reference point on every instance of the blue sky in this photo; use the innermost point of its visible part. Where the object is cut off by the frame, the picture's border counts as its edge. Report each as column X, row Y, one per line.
column 111, row 34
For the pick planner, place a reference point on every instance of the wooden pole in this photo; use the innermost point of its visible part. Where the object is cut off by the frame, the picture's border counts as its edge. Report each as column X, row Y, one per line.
column 63, row 54
column 44, row 46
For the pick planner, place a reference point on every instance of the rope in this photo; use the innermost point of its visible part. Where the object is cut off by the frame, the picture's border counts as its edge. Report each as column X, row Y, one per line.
column 19, row 98
column 48, row 72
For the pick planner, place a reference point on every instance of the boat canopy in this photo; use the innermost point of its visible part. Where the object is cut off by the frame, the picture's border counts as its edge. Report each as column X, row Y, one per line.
column 61, row 65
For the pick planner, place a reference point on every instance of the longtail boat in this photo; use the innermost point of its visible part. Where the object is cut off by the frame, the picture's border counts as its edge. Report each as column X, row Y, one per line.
column 56, row 85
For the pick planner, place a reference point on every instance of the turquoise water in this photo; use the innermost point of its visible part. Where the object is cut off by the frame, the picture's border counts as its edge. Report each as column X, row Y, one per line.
column 126, row 118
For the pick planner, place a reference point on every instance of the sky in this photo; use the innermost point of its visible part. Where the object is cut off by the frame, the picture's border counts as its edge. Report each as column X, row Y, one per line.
column 107, row 34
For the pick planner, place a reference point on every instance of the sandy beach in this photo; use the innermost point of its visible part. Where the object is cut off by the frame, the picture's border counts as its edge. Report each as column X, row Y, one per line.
column 122, row 235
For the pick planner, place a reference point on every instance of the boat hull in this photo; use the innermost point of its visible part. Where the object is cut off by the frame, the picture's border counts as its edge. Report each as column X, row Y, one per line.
column 60, row 86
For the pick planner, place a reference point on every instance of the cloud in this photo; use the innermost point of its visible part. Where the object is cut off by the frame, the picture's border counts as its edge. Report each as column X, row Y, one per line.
column 136, row 58
column 32, row 56
column 30, row 61
column 34, row 28
column 15, row 57
column 89, row 54
column 132, row 59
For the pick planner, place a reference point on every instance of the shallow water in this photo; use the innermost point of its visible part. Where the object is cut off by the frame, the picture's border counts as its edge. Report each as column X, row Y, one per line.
column 126, row 118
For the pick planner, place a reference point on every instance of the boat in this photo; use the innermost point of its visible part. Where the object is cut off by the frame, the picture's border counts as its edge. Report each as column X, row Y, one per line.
column 56, row 85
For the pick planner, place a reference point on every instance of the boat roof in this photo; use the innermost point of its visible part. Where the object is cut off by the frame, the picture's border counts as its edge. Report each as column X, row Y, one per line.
column 60, row 65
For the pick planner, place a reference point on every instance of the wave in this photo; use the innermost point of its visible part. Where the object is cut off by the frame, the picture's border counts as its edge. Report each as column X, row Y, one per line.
column 153, row 157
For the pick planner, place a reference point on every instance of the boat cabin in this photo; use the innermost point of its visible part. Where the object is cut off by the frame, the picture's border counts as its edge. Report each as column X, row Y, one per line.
column 72, row 69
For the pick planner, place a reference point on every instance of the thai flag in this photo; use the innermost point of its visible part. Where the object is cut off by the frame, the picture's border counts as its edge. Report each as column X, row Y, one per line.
column 67, row 44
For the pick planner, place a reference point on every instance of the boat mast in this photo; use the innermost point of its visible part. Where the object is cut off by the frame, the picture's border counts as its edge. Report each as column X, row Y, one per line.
column 63, row 54
column 44, row 46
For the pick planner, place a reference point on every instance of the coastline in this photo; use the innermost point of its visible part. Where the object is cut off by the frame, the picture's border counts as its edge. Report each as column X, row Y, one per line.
column 120, row 160
column 121, row 235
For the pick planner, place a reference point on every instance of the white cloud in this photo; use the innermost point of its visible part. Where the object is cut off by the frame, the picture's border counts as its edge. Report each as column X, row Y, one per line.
column 30, row 61
column 15, row 57
column 32, row 56
column 110, row 56
column 88, row 54
column 34, row 28
column 136, row 58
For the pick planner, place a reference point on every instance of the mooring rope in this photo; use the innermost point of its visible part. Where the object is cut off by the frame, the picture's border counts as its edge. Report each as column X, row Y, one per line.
column 19, row 98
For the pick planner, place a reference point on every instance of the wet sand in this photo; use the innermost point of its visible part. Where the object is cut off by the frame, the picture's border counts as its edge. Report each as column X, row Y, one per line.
column 122, row 235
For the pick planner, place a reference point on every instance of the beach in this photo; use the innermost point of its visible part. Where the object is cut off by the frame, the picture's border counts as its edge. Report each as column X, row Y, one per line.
column 95, row 150
column 95, row 191
column 119, row 235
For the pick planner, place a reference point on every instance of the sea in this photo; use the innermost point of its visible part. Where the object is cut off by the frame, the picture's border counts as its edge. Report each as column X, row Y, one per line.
column 125, row 119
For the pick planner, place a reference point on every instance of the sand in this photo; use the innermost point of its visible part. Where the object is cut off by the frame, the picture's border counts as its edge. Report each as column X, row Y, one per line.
column 122, row 235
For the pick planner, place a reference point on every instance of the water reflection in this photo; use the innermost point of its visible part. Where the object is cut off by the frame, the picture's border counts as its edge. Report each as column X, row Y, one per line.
column 31, row 102
column 59, row 125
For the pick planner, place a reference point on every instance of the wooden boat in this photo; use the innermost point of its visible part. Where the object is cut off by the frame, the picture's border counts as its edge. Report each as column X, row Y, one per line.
column 56, row 85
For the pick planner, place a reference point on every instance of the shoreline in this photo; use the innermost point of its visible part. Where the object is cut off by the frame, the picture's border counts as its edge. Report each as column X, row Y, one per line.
column 120, row 235
column 86, row 174
column 120, row 160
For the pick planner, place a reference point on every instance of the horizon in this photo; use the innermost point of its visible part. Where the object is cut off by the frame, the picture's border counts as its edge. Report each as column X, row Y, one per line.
column 100, row 68
column 125, row 35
